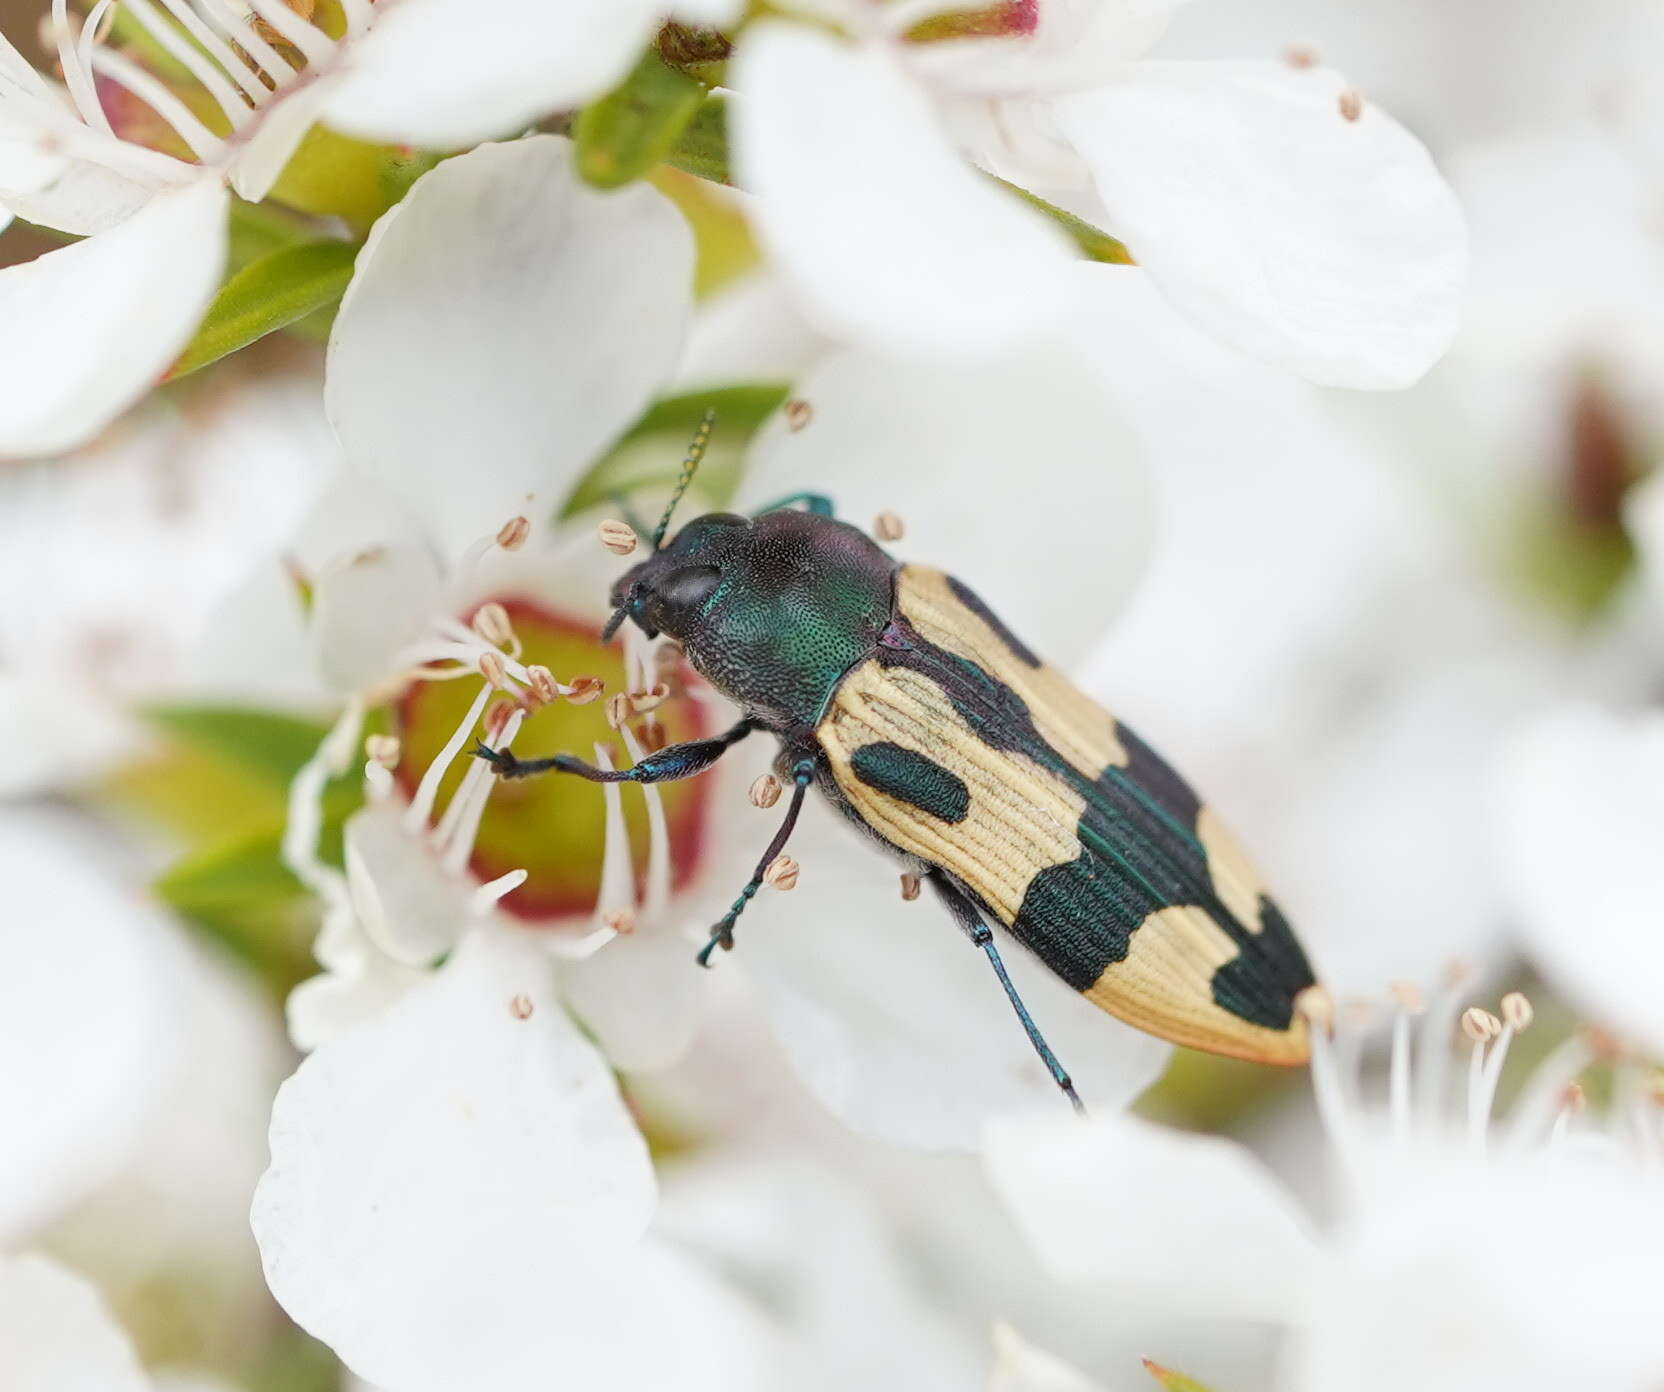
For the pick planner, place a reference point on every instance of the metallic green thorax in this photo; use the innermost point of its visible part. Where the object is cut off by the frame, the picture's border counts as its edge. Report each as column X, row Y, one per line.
column 772, row 611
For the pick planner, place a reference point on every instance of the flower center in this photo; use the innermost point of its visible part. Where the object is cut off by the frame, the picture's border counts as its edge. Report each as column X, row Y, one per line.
column 555, row 826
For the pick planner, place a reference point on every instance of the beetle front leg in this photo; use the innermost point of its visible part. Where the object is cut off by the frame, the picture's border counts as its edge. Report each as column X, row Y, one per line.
column 667, row 765
column 803, row 774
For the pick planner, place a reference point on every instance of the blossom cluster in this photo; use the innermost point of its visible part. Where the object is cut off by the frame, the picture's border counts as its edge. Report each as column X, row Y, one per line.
column 344, row 337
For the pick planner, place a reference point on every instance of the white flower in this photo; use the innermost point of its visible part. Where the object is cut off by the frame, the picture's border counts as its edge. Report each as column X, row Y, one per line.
column 57, row 1336
column 1466, row 1252
column 1272, row 205
column 478, row 360
column 107, row 315
column 1579, row 819
column 457, row 1195
column 122, row 555
column 145, row 1070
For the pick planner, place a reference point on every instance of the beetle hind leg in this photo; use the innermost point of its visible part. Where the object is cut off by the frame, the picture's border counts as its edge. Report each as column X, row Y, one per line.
column 981, row 935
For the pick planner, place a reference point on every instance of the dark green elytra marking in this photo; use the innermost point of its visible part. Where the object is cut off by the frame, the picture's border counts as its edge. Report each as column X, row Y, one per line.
column 1140, row 852
column 913, row 778
column 973, row 601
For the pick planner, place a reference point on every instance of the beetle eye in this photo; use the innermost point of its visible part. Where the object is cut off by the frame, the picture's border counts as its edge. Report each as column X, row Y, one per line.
column 688, row 587
column 678, row 594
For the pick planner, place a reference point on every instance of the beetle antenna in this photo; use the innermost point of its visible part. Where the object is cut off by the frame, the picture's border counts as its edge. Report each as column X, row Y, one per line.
column 696, row 452
column 690, row 465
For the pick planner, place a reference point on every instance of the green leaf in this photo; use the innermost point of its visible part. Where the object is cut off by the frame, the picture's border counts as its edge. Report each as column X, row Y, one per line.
column 1173, row 1382
column 624, row 134
column 236, row 874
column 270, row 745
column 650, row 454
column 266, row 295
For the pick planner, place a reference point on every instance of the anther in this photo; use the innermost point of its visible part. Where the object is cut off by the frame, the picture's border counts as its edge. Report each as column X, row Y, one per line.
column 618, row 710
column 618, row 537
column 781, row 872
column 382, row 749
column 1317, row 1007
column 491, row 667
column 544, row 687
column 798, row 413
column 888, row 527
column 521, row 1006
column 621, row 921
column 1480, row 1025
column 1351, row 104
column 765, row 792
column 1458, row 973
column 1572, row 1098
column 1517, row 1011
column 1299, row 56
column 583, row 690
column 1408, row 996
column 513, row 534
column 490, row 621
column 643, row 701
column 1604, row 1045
column 910, row 885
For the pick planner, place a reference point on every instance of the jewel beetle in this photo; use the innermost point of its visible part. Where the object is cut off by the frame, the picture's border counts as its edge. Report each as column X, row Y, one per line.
column 901, row 696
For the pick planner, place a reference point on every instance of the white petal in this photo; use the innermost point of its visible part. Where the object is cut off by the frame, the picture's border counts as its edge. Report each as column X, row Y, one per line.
column 92, row 1002
column 56, row 1334
column 1116, row 1200
column 885, row 230
column 1074, row 44
column 750, row 331
column 367, row 608
column 608, row 991
column 1016, row 474
column 857, row 1310
column 105, row 317
column 455, row 1184
column 1020, row 1367
column 898, row 1024
column 1580, row 820
column 419, row 910
column 448, row 73
column 504, row 325
column 1495, row 1278
column 1327, row 246
column 277, row 133
column 1644, row 515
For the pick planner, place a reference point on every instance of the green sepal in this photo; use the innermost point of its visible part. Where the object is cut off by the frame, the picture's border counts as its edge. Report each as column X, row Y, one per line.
column 265, row 743
column 620, row 137
column 1173, row 1382
column 650, row 453
column 701, row 148
column 270, row 293
column 1094, row 244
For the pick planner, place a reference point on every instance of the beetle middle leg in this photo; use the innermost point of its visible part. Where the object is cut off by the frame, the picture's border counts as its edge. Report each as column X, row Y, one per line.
column 965, row 914
column 817, row 503
column 803, row 774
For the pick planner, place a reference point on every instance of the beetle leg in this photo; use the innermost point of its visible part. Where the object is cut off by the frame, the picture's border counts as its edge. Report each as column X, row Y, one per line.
column 817, row 503
column 981, row 935
column 803, row 774
column 665, row 766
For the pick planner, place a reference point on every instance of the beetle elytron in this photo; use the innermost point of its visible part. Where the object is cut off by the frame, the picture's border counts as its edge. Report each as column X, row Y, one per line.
column 895, row 690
